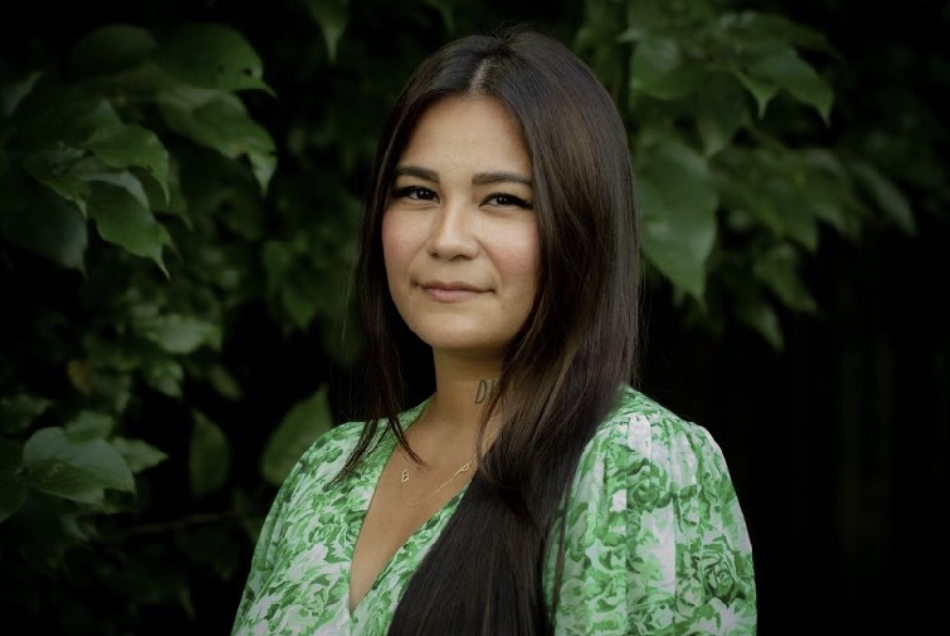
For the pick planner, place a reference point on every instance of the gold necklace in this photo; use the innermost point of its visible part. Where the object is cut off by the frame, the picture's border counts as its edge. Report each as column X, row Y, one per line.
column 404, row 479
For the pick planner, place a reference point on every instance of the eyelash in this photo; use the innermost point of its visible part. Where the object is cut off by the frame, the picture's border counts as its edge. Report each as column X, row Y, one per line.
column 512, row 200
column 418, row 193
column 413, row 192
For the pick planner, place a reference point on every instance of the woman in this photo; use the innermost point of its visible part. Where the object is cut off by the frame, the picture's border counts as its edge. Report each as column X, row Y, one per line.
column 532, row 490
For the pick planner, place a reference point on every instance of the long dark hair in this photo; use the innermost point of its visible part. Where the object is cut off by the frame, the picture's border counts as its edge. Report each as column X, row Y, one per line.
column 562, row 372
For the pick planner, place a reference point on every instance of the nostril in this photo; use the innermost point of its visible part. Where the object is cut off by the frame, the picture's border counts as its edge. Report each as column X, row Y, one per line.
column 450, row 241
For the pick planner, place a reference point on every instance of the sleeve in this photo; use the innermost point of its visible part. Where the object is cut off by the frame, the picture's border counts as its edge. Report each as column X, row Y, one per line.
column 321, row 459
column 265, row 554
column 655, row 543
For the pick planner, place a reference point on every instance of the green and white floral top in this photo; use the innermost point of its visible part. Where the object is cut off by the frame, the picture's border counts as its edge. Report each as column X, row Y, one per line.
column 656, row 540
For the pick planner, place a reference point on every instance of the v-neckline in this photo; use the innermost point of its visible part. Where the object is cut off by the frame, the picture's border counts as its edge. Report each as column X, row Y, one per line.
column 367, row 489
column 410, row 543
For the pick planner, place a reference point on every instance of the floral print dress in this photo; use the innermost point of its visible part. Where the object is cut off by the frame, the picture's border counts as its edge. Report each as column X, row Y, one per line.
column 656, row 541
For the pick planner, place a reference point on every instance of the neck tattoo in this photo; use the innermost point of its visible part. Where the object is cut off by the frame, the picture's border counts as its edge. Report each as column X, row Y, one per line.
column 484, row 390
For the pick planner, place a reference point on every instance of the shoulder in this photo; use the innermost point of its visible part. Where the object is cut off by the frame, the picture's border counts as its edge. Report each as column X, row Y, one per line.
column 318, row 465
column 654, row 531
column 327, row 455
column 331, row 449
column 641, row 431
column 644, row 458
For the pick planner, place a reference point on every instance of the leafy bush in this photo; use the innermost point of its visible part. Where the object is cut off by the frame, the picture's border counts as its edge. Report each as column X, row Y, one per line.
column 176, row 234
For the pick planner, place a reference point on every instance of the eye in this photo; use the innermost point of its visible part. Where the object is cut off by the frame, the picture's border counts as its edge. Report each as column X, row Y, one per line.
column 508, row 200
column 414, row 193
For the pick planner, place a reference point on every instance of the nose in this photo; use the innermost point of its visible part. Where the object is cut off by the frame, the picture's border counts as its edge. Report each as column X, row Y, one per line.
column 453, row 232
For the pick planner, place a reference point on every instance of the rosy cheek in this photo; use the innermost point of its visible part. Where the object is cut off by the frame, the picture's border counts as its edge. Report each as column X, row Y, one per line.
column 399, row 244
column 523, row 257
column 394, row 250
column 390, row 236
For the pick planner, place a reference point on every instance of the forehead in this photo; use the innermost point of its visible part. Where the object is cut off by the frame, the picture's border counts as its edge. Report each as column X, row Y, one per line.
column 464, row 130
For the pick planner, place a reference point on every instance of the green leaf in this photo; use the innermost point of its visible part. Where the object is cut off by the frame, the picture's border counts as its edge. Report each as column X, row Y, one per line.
column 171, row 201
column 15, row 90
column 766, row 185
column 224, row 190
column 636, row 20
column 49, row 227
column 785, row 69
column 886, row 195
column 659, row 69
column 653, row 59
column 78, row 470
column 212, row 56
column 123, row 220
column 138, row 454
column 107, row 353
column 54, row 169
column 762, row 90
column 299, row 302
column 719, row 114
column 219, row 121
column 277, row 256
column 831, row 198
column 111, row 49
column 165, row 375
column 53, row 116
column 753, row 311
column 12, row 488
column 305, row 422
column 180, row 334
column 125, row 146
column 445, row 8
column 88, row 425
column 777, row 268
column 297, row 295
column 678, row 202
column 597, row 41
column 797, row 220
column 224, row 382
column 19, row 409
column 209, row 456
column 751, row 29
column 91, row 169
column 113, row 388
column 332, row 17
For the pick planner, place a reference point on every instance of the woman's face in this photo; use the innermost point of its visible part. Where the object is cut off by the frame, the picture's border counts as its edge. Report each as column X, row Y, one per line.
column 460, row 236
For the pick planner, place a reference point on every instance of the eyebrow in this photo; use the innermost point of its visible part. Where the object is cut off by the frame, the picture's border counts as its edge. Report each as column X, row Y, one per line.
column 482, row 178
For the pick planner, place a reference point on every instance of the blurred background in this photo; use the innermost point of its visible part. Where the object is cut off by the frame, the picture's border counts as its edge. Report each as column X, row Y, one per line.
column 180, row 187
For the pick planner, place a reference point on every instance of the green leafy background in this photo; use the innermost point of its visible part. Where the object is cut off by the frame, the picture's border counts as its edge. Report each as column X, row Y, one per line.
column 180, row 188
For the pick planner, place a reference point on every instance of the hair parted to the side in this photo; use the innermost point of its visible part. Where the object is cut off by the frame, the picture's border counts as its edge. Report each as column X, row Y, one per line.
column 561, row 374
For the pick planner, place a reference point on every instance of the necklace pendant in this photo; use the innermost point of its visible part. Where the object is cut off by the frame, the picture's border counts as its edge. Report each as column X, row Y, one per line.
column 404, row 476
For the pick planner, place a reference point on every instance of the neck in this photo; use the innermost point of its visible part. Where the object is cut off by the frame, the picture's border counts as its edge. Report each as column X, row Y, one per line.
column 463, row 391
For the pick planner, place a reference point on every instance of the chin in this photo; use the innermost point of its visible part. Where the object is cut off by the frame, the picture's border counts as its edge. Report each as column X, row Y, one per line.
column 469, row 347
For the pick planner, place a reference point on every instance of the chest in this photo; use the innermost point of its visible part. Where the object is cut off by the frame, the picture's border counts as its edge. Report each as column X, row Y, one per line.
column 398, row 510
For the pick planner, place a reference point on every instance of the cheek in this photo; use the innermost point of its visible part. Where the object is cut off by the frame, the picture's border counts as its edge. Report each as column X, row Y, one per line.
column 394, row 245
column 528, row 255
column 522, row 262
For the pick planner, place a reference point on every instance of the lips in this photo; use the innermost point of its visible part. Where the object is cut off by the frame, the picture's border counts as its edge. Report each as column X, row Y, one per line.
column 450, row 291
